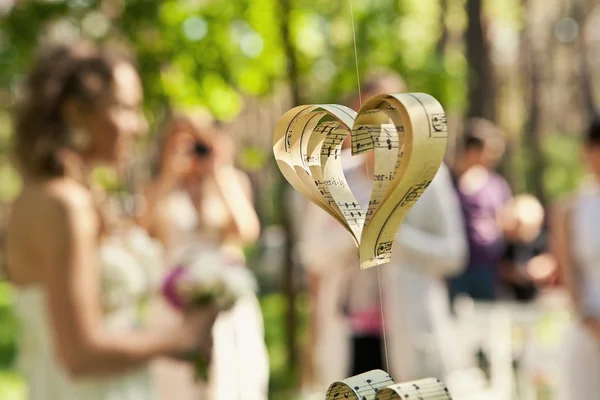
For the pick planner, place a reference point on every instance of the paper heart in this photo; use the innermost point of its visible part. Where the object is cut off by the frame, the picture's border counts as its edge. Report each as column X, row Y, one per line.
column 407, row 133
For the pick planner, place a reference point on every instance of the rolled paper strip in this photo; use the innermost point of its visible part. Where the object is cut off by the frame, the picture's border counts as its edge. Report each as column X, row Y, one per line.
column 378, row 385
column 169, row 288
column 359, row 387
column 423, row 389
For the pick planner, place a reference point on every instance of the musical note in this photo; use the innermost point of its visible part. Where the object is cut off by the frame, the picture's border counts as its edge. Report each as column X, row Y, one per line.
column 407, row 135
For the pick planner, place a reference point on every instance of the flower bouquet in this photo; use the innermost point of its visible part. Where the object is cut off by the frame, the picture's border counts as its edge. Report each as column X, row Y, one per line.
column 207, row 278
column 132, row 265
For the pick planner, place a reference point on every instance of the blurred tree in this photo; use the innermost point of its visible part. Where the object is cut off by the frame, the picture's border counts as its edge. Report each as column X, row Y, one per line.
column 587, row 84
column 534, row 128
column 443, row 39
column 481, row 74
column 288, row 283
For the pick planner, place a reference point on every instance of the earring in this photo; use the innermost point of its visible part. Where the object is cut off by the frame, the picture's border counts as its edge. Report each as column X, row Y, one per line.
column 79, row 139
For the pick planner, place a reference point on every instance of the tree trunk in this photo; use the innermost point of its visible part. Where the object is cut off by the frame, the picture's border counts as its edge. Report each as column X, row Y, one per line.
column 534, row 127
column 587, row 84
column 443, row 40
column 288, row 287
column 481, row 74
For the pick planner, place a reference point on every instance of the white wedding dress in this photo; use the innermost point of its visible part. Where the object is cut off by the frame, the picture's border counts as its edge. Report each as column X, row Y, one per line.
column 130, row 267
column 240, row 361
column 580, row 367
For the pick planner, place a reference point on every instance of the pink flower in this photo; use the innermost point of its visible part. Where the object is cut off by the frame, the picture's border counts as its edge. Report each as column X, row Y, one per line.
column 169, row 288
column 208, row 279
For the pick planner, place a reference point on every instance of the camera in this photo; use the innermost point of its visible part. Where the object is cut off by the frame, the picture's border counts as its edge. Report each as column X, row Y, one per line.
column 201, row 150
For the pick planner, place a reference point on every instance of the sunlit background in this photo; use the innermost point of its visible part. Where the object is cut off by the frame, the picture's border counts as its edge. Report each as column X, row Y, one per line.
column 526, row 64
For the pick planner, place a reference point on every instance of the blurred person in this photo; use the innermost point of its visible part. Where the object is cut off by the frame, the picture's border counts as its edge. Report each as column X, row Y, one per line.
column 349, row 325
column 576, row 246
column 77, row 284
column 525, row 265
column 199, row 201
column 483, row 193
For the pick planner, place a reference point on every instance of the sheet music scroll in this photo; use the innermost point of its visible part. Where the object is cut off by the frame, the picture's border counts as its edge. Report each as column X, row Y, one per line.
column 406, row 132
column 377, row 385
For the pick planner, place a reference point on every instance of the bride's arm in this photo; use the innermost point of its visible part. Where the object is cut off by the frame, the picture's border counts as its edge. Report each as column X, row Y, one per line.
column 66, row 242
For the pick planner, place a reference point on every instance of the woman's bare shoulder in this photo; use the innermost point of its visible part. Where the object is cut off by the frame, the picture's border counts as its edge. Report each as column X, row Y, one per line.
column 43, row 218
column 62, row 195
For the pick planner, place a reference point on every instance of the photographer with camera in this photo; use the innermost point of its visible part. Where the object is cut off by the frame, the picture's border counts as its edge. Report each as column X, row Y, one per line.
column 196, row 160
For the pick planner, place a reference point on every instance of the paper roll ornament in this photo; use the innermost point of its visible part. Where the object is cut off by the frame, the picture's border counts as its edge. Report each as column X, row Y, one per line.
column 378, row 385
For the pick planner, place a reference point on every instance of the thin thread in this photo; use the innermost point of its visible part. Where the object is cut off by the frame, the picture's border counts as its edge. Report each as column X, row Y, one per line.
column 355, row 52
column 385, row 349
column 387, row 359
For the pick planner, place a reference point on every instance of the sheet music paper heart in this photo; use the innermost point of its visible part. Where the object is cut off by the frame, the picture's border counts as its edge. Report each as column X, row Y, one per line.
column 407, row 132
column 378, row 385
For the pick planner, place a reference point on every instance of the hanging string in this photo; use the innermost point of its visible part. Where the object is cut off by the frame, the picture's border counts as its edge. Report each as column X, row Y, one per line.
column 355, row 52
column 385, row 349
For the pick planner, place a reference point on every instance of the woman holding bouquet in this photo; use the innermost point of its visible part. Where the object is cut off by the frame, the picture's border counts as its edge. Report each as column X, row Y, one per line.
column 201, row 204
column 77, row 302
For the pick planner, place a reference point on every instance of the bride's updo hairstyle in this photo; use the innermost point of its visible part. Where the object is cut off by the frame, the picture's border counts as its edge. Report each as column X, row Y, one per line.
column 41, row 134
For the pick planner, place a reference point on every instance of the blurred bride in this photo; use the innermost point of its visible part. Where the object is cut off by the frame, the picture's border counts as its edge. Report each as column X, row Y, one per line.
column 79, row 275
column 201, row 202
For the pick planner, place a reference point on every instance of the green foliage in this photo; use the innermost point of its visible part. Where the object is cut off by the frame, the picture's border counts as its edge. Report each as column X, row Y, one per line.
column 8, row 328
column 107, row 178
column 273, row 307
column 11, row 182
column 206, row 53
column 564, row 168
column 12, row 386
column 253, row 158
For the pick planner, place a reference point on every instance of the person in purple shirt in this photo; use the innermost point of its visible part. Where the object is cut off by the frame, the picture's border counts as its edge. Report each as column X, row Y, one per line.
column 482, row 193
